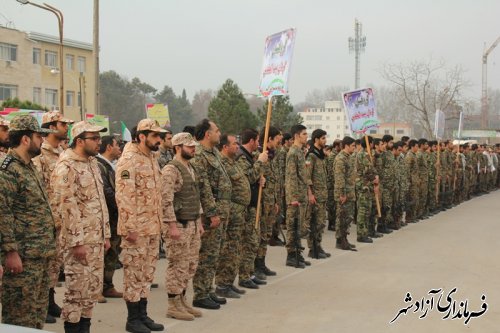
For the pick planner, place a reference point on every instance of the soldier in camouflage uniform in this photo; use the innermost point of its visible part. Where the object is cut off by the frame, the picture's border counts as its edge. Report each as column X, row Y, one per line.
column 4, row 136
column 388, row 181
column 270, row 201
column 380, row 166
column 330, row 160
column 468, row 172
column 181, row 226
column 215, row 196
column 27, row 231
column 316, row 168
column 403, row 180
column 483, row 167
column 344, row 195
column 460, row 175
column 397, row 210
column 423, row 175
column 366, row 184
column 413, row 182
column 45, row 163
column 297, row 191
column 166, row 149
column 230, row 254
column 250, row 239
column 80, row 210
column 138, row 197
column 432, row 180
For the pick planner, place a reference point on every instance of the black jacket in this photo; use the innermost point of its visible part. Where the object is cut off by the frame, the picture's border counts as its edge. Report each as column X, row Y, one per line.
column 108, row 179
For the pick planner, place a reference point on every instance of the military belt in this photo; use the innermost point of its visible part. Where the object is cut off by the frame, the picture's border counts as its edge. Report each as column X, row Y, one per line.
column 185, row 222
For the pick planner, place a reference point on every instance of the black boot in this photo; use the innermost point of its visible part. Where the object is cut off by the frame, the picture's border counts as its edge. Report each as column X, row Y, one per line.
column 134, row 323
column 293, row 260
column 259, row 272
column 150, row 323
column 54, row 309
column 266, row 269
column 49, row 319
column 71, row 327
column 84, row 325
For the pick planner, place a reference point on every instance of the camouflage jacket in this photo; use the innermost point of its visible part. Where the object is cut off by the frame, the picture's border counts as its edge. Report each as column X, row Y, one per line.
column 252, row 170
column 365, row 172
column 240, row 186
column 296, row 180
column 26, row 221
column 164, row 156
column 412, row 167
column 271, row 190
column 81, row 209
column 215, row 184
column 316, row 169
column 138, row 192
column 388, row 171
column 344, row 177
column 330, row 161
column 422, row 167
column 46, row 163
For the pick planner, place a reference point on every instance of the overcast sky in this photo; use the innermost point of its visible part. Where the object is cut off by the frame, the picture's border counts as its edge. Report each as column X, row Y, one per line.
column 198, row 44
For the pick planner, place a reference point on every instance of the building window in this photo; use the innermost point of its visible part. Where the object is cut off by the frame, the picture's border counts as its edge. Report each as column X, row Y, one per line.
column 37, row 56
column 327, row 118
column 81, row 64
column 51, row 97
column 400, row 131
column 70, row 62
column 387, row 131
column 8, row 52
column 7, row 91
column 51, row 59
column 70, row 98
column 37, row 95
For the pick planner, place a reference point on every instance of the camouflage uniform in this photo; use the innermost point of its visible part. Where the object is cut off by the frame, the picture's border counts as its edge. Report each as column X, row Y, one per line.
column 432, row 181
column 403, row 182
column 344, row 186
column 215, row 196
column 45, row 164
column 330, row 160
column 164, row 156
column 388, row 184
column 423, row 183
column 296, row 183
column 138, row 197
column 483, row 175
column 26, row 226
column 230, row 254
column 182, row 253
column 413, row 187
column 249, row 238
column 270, row 198
column 316, row 169
column 365, row 175
column 281, row 168
column 83, row 216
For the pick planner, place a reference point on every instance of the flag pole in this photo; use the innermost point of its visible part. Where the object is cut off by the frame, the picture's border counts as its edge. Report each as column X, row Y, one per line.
column 377, row 200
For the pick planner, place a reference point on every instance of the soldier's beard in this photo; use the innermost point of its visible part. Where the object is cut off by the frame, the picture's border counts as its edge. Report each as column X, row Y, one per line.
column 4, row 144
column 153, row 147
column 185, row 155
column 33, row 150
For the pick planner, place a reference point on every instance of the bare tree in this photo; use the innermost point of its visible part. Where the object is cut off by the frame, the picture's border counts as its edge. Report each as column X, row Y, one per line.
column 427, row 86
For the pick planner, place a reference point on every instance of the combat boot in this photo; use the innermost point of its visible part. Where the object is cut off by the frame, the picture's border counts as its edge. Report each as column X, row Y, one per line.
column 258, row 269
column 49, row 319
column 365, row 239
column 293, row 260
column 150, row 323
column 54, row 309
column 134, row 322
column 258, row 281
column 248, row 284
column 316, row 254
column 320, row 249
column 225, row 291
column 84, row 325
column 217, row 299
column 266, row 269
column 71, row 327
column 301, row 258
column 193, row 311
column 176, row 310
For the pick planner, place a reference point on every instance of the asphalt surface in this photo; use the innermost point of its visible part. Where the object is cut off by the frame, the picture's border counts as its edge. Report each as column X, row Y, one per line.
column 361, row 291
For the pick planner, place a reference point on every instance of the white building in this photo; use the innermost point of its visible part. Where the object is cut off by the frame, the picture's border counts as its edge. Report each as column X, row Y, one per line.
column 330, row 118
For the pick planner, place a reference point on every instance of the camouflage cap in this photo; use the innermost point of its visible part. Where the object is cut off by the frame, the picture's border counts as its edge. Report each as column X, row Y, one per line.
column 183, row 138
column 51, row 116
column 26, row 122
column 150, row 125
column 4, row 122
column 85, row 126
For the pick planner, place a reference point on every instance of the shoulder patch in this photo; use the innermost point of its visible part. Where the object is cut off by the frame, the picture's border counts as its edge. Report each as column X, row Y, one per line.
column 6, row 162
column 125, row 174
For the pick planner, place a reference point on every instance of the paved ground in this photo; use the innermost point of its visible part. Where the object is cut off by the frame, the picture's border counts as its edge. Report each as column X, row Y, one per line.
column 360, row 291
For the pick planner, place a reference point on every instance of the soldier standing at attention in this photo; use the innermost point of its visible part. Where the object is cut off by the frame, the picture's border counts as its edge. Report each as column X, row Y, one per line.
column 414, row 182
column 4, row 136
column 296, row 191
column 80, row 209
column 215, row 197
column 26, row 228
column 166, row 149
column 345, row 197
column 330, row 160
column 181, row 226
column 138, row 197
column 109, row 152
column 318, row 176
column 45, row 163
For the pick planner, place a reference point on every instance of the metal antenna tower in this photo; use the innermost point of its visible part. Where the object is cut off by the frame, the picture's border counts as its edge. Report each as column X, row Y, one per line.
column 357, row 45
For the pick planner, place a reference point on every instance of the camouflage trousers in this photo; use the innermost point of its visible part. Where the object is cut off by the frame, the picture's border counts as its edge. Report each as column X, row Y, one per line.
column 230, row 254
column 25, row 296
column 412, row 202
column 110, row 260
column 431, row 194
column 317, row 227
column 182, row 255
column 345, row 216
column 364, row 203
column 387, row 205
column 249, row 245
column 330, row 205
column 267, row 220
column 139, row 266
column 55, row 263
column 483, row 181
column 293, row 231
column 422, row 202
column 83, row 283
column 211, row 242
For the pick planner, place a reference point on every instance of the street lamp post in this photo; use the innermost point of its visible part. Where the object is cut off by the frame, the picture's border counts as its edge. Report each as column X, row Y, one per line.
column 60, row 20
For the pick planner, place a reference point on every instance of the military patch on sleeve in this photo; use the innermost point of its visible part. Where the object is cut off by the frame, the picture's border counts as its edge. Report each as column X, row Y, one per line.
column 6, row 162
column 125, row 174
